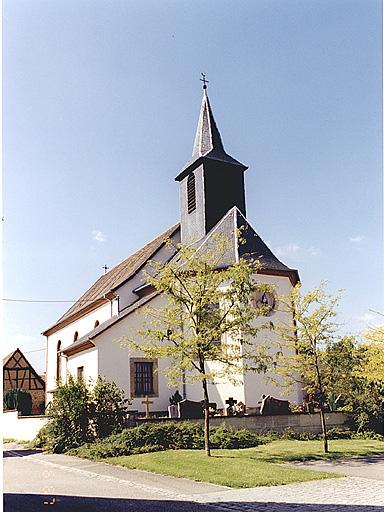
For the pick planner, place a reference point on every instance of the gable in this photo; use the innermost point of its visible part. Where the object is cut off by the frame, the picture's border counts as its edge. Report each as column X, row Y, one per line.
column 116, row 277
column 19, row 373
column 251, row 245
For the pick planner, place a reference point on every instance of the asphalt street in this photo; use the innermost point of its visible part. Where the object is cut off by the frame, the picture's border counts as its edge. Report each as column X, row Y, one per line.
column 34, row 481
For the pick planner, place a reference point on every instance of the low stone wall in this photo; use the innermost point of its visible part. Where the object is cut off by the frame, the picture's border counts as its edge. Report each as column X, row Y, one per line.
column 262, row 424
column 23, row 428
column 297, row 422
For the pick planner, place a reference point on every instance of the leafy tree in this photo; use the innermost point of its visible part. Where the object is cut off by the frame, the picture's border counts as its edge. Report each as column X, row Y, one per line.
column 79, row 414
column 302, row 345
column 69, row 415
column 108, row 408
column 373, row 366
column 355, row 377
column 206, row 330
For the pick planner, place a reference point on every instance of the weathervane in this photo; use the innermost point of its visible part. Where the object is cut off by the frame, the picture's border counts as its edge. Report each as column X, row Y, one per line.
column 204, row 80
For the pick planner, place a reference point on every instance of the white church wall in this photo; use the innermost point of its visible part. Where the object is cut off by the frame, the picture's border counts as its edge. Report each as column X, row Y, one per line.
column 114, row 361
column 66, row 337
column 125, row 292
column 257, row 384
column 88, row 360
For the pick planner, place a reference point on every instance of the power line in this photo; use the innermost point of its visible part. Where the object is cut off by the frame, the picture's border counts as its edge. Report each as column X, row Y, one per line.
column 48, row 301
column 37, row 350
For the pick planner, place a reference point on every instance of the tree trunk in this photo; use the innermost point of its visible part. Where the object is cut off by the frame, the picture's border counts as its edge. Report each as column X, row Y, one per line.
column 322, row 400
column 206, row 419
column 324, row 428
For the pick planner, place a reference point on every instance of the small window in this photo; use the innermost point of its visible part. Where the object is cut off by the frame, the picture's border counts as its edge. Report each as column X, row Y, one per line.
column 75, row 336
column 144, row 378
column 80, row 373
column 191, row 193
column 97, row 323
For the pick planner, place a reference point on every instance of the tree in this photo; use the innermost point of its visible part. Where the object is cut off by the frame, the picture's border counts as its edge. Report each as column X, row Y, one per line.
column 373, row 368
column 79, row 414
column 355, row 377
column 108, row 408
column 205, row 330
column 301, row 355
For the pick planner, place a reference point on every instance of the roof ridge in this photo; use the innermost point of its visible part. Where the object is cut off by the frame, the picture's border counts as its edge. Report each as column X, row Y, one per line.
column 120, row 273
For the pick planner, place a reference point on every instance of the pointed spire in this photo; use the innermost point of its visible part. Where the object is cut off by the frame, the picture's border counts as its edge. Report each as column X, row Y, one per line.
column 207, row 135
column 208, row 143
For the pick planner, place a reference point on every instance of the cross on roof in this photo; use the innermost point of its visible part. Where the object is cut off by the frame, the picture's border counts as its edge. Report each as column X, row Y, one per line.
column 105, row 268
column 204, row 80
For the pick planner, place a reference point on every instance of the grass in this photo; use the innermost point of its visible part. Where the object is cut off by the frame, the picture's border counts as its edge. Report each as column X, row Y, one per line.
column 250, row 467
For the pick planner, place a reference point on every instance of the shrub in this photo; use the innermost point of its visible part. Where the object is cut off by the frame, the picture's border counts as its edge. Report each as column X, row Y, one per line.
column 108, row 408
column 78, row 415
column 151, row 437
column 69, row 414
column 19, row 399
column 223, row 437
column 289, row 433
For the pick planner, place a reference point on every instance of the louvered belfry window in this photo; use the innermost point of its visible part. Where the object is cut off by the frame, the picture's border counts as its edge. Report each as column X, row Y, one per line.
column 144, row 379
column 191, row 193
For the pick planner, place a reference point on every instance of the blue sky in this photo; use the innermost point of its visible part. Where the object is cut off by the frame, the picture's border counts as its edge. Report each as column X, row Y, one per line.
column 101, row 100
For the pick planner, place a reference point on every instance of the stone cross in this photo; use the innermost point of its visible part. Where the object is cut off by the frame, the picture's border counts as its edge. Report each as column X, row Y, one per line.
column 230, row 402
column 147, row 401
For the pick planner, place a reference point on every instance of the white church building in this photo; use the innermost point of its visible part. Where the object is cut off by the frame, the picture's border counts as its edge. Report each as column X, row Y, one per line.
column 85, row 340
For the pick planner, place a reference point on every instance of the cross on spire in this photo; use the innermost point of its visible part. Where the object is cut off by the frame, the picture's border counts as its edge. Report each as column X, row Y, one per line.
column 204, row 80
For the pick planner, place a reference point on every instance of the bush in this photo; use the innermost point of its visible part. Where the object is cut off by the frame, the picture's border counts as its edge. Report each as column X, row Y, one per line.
column 19, row 399
column 69, row 416
column 108, row 408
column 289, row 433
column 151, row 437
column 78, row 415
column 223, row 437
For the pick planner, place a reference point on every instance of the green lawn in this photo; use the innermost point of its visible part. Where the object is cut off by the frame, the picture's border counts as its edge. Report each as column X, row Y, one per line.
column 251, row 467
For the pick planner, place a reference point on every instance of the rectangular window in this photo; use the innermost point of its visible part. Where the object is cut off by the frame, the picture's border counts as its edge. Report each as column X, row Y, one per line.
column 80, row 373
column 144, row 378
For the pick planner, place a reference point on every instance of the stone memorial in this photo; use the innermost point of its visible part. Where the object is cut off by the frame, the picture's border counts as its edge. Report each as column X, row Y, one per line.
column 271, row 406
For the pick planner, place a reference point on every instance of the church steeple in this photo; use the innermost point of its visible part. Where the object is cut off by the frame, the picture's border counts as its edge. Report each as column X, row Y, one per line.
column 208, row 143
column 212, row 182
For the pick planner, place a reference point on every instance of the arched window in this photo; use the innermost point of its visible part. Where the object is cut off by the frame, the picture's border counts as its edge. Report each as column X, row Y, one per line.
column 191, row 193
column 75, row 336
column 58, row 357
column 97, row 323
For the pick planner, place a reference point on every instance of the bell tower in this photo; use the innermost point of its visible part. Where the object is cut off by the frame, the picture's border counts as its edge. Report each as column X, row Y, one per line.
column 211, row 183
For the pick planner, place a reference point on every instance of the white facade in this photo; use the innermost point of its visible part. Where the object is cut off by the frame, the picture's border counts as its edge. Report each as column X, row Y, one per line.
column 109, row 359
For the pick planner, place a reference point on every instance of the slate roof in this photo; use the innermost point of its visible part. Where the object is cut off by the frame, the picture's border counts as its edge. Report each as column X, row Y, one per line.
column 208, row 143
column 117, row 275
column 253, row 246
column 107, row 324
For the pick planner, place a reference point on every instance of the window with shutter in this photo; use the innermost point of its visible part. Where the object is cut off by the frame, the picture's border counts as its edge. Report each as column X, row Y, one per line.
column 191, row 193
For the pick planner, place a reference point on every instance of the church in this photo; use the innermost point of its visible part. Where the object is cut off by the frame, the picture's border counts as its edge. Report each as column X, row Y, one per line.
column 84, row 342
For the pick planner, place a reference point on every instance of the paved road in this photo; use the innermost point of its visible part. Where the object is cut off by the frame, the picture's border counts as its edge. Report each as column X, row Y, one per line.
column 39, row 482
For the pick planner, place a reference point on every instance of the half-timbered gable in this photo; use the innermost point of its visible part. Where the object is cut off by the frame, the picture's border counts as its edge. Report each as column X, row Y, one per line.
column 18, row 373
